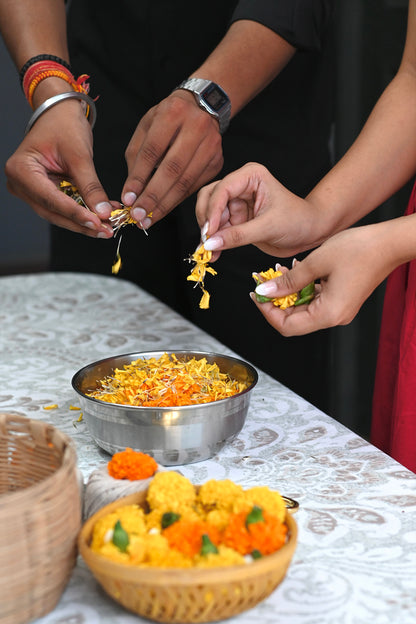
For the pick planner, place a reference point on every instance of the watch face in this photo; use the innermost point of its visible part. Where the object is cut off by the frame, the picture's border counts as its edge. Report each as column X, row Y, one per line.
column 215, row 97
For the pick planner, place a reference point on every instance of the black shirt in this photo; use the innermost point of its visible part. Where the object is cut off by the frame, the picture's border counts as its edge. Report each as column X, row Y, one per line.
column 136, row 52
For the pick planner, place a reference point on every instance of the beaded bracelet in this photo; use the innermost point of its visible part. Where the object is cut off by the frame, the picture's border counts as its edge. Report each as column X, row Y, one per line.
column 91, row 111
column 42, row 57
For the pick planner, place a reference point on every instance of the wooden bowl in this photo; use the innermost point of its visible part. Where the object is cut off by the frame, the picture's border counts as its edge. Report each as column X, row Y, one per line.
column 186, row 596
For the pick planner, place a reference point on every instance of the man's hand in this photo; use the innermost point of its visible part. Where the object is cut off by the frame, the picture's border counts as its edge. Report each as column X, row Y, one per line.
column 176, row 148
column 59, row 146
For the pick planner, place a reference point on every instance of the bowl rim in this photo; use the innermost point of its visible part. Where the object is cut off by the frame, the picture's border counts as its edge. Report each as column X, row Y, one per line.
column 137, row 354
column 177, row 576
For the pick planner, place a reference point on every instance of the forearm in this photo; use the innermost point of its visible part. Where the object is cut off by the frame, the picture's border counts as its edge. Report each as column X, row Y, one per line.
column 383, row 157
column 30, row 28
column 248, row 58
column 380, row 162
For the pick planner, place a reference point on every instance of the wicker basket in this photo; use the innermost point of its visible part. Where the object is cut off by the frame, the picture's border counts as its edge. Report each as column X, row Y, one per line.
column 40, row 517
column 181, row 596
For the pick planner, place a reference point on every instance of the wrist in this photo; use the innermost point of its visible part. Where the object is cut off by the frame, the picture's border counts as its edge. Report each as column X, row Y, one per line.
column 87, row 103
column 210, row 97
column 48, row 88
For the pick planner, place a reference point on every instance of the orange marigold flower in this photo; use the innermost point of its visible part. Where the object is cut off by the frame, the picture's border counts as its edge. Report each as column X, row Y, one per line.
column 131, row 465
column 265, row 536
column 236, row 535
column 186, row 535
column 167, row 381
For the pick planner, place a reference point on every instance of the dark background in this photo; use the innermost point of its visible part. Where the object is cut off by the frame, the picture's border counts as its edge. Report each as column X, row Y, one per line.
column 370, row 38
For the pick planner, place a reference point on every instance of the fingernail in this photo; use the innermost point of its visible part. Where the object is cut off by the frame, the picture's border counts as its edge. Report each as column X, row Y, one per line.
column 129, row 198
column 294, row 262
column 108, row 232
column 139, row 214
column 90, row 225
column 266, row 289
column 213, row 243
column 103, row 209
column 204, row 232
column 146, row 223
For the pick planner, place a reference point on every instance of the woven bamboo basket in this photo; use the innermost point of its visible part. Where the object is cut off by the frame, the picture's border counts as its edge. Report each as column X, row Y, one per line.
column 40, row 517
column 186, row 596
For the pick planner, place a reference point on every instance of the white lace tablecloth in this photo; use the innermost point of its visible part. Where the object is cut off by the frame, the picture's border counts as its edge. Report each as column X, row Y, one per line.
column 356, row 557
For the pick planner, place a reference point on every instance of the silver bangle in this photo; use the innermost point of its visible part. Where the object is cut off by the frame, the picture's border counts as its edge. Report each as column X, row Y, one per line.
column 92, row 114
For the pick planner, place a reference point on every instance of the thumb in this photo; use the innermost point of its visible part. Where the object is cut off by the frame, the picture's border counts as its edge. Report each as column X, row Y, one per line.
column 289, row 282
column 92, row 192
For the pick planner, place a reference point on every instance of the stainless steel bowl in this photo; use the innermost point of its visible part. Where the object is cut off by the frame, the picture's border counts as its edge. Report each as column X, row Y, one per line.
column 172, row 435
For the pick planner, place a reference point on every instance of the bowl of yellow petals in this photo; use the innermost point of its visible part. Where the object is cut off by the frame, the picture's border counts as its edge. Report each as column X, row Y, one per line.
column 179, row 553
column 179, row 407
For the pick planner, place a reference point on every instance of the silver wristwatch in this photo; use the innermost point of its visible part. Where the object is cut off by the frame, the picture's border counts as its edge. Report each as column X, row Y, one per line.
column 211, row 98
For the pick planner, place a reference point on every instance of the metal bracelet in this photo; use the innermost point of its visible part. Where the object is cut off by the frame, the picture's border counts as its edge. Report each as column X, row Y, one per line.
column 92, row 114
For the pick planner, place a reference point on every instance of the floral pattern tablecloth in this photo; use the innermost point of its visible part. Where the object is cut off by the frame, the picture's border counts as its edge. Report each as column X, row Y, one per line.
column 356, row 556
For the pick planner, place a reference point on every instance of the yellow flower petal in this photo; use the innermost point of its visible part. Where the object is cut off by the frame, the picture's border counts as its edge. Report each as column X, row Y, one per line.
column 201, row 257
column 117, row 265
column 204, row 303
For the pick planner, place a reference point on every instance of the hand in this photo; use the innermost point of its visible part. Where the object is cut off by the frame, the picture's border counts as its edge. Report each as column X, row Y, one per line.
column 249, row 206
column 349, row 265
column 175, row 149
column 59, row 146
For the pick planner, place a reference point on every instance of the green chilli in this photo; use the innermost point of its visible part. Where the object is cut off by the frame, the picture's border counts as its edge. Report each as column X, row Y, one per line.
column 306, row 294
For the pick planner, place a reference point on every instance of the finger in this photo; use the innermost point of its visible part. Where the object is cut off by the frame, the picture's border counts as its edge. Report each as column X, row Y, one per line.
column 202, row 203
column 289, row 282
column 193, row 159
column 295, row 321
column 150, row 142
column 251, row 232
column 50, row 203
column 66, row 213
column 90, row 188
column 201, row 207
column 198, row 171
column 246, row 184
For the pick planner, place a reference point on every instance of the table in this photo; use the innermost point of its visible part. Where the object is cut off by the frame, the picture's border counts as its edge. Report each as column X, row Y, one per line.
column 356, row 557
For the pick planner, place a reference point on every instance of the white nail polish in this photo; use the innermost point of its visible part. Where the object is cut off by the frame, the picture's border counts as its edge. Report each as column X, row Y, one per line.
column 213, row 243
column 204, row 232
column 265, row 289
